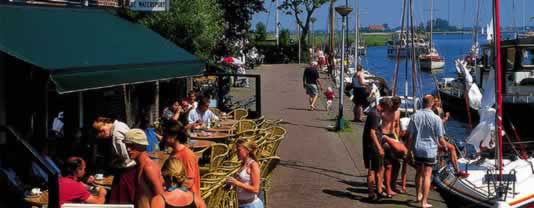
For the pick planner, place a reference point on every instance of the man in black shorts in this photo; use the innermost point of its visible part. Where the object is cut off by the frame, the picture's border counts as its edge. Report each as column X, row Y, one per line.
column 373, row 153
column 311, row 83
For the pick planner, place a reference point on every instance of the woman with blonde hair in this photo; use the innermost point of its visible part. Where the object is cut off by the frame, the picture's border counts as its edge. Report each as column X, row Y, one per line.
column 176, row 194
column 247, row 179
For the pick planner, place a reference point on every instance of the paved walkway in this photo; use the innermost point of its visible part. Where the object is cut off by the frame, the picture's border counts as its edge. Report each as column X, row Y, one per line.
column 319, row 168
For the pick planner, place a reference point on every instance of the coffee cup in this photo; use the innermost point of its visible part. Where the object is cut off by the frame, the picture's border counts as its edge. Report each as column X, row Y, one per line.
column 99, row 176
column 36, row 191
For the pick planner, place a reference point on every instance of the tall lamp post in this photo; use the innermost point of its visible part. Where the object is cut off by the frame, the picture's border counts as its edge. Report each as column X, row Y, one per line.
column 343, row 11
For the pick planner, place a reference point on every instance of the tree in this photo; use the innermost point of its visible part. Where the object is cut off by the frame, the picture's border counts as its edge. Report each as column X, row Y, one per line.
column 298, row 7
column 237, row 15
column 284, row 37
column 312, row 38
column 440, row 25
column 261, row 31
column 193, row 25
column 420, row 28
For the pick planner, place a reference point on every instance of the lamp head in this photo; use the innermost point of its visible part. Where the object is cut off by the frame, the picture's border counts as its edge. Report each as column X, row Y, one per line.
column 343, row 10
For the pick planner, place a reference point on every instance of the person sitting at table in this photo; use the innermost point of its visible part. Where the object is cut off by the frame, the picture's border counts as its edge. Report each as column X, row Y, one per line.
column 176, row 139
column 247, row 179
column 176, row 194
column 192, row 99
column 172, row 112
column 186, row 108
column 71, row 190
column 148, row 178
column 201, row 116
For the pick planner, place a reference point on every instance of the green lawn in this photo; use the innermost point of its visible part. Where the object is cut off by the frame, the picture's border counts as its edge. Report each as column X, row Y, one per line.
column 320, row 39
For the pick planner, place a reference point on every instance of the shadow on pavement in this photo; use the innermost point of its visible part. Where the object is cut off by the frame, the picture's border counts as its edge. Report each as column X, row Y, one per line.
column 343, row 194
column 316, row 170
column 306, row 109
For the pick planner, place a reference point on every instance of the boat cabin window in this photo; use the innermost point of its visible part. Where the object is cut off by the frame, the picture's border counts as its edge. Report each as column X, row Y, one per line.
column 509, row 58
column 527, row 58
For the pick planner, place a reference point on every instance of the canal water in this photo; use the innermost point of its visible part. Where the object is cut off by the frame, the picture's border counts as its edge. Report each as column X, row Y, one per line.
column 450, row 46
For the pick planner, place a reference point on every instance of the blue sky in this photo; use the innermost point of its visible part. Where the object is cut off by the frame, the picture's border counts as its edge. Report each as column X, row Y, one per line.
column 389, row 11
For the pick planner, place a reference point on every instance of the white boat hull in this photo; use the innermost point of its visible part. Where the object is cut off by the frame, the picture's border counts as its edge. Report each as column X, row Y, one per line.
column 476, row 191
column 426, row 64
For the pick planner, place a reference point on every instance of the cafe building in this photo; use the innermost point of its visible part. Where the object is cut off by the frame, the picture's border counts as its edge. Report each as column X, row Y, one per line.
column 84, row 62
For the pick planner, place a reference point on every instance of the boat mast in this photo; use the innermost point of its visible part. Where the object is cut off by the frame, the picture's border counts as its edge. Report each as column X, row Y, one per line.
column 357, row 29
column 398, row 47
column 430, row 43
column 498, row 78
column 475, row 35
column 412, row 51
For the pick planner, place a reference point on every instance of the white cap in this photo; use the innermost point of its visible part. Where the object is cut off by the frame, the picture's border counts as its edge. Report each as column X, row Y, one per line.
column 404, row 122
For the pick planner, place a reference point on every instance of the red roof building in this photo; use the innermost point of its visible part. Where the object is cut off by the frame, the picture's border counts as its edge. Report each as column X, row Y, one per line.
column 379, row 28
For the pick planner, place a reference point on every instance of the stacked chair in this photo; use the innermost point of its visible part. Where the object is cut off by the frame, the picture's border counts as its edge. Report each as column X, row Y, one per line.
column 238, row 114
column 224, row 162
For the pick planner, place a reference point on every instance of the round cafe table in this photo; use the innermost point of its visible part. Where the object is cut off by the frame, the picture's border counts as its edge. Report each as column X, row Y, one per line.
column 107, row 181
column 199, row 144
column 226, row 129
column 229, row 122
column 211, row 136
column 39, row 200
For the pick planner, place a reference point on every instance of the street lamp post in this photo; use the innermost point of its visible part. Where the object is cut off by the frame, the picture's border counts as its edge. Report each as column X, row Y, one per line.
column 343, row 11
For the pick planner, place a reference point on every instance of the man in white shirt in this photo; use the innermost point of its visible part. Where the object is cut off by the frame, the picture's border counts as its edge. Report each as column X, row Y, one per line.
column 201, row 116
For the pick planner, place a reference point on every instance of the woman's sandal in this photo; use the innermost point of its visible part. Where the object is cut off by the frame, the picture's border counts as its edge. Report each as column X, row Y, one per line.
column 385, row 195
column 372, row 198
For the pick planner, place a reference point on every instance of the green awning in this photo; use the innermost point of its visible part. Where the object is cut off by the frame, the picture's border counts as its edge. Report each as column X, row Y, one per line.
column 90, row 48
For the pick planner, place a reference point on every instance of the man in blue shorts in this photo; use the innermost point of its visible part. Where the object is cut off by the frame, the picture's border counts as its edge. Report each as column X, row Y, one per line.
column 426, row 134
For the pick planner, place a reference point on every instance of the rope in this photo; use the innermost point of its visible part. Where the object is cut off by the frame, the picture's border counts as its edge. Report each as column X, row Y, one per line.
column 523, row 152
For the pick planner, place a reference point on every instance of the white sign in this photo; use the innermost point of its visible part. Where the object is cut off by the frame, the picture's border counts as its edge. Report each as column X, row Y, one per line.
column 150, row 5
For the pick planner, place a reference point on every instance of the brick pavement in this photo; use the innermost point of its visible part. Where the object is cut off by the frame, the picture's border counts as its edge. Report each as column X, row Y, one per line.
column 319, row 168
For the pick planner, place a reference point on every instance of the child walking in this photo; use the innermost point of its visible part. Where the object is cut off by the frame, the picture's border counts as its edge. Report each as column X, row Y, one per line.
column 329, row 94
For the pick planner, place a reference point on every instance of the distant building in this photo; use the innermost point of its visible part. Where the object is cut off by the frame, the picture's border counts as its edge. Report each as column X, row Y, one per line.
column 376, row 28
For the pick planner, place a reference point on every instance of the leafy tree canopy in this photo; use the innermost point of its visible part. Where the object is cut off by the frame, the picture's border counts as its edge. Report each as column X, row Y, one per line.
column 261, row 31
column 195, row 25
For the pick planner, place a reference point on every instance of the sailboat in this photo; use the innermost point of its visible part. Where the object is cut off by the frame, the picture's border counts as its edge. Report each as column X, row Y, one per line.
column 431, row 59
column 502, row 180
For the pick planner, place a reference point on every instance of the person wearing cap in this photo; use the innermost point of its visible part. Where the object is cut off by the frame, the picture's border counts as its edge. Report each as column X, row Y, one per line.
column 148, row 179
column 311, row 83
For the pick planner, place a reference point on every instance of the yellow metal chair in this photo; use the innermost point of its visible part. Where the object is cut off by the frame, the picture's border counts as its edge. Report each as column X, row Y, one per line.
column 278, row 131
column 269, row 123
column 216, row 111
column 243, row 125
column 218, row 153
column 259, row 120
column 267, row 165
column 238, row 114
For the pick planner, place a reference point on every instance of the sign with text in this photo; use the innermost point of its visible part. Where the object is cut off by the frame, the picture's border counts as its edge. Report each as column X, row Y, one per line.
column 150, row 5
